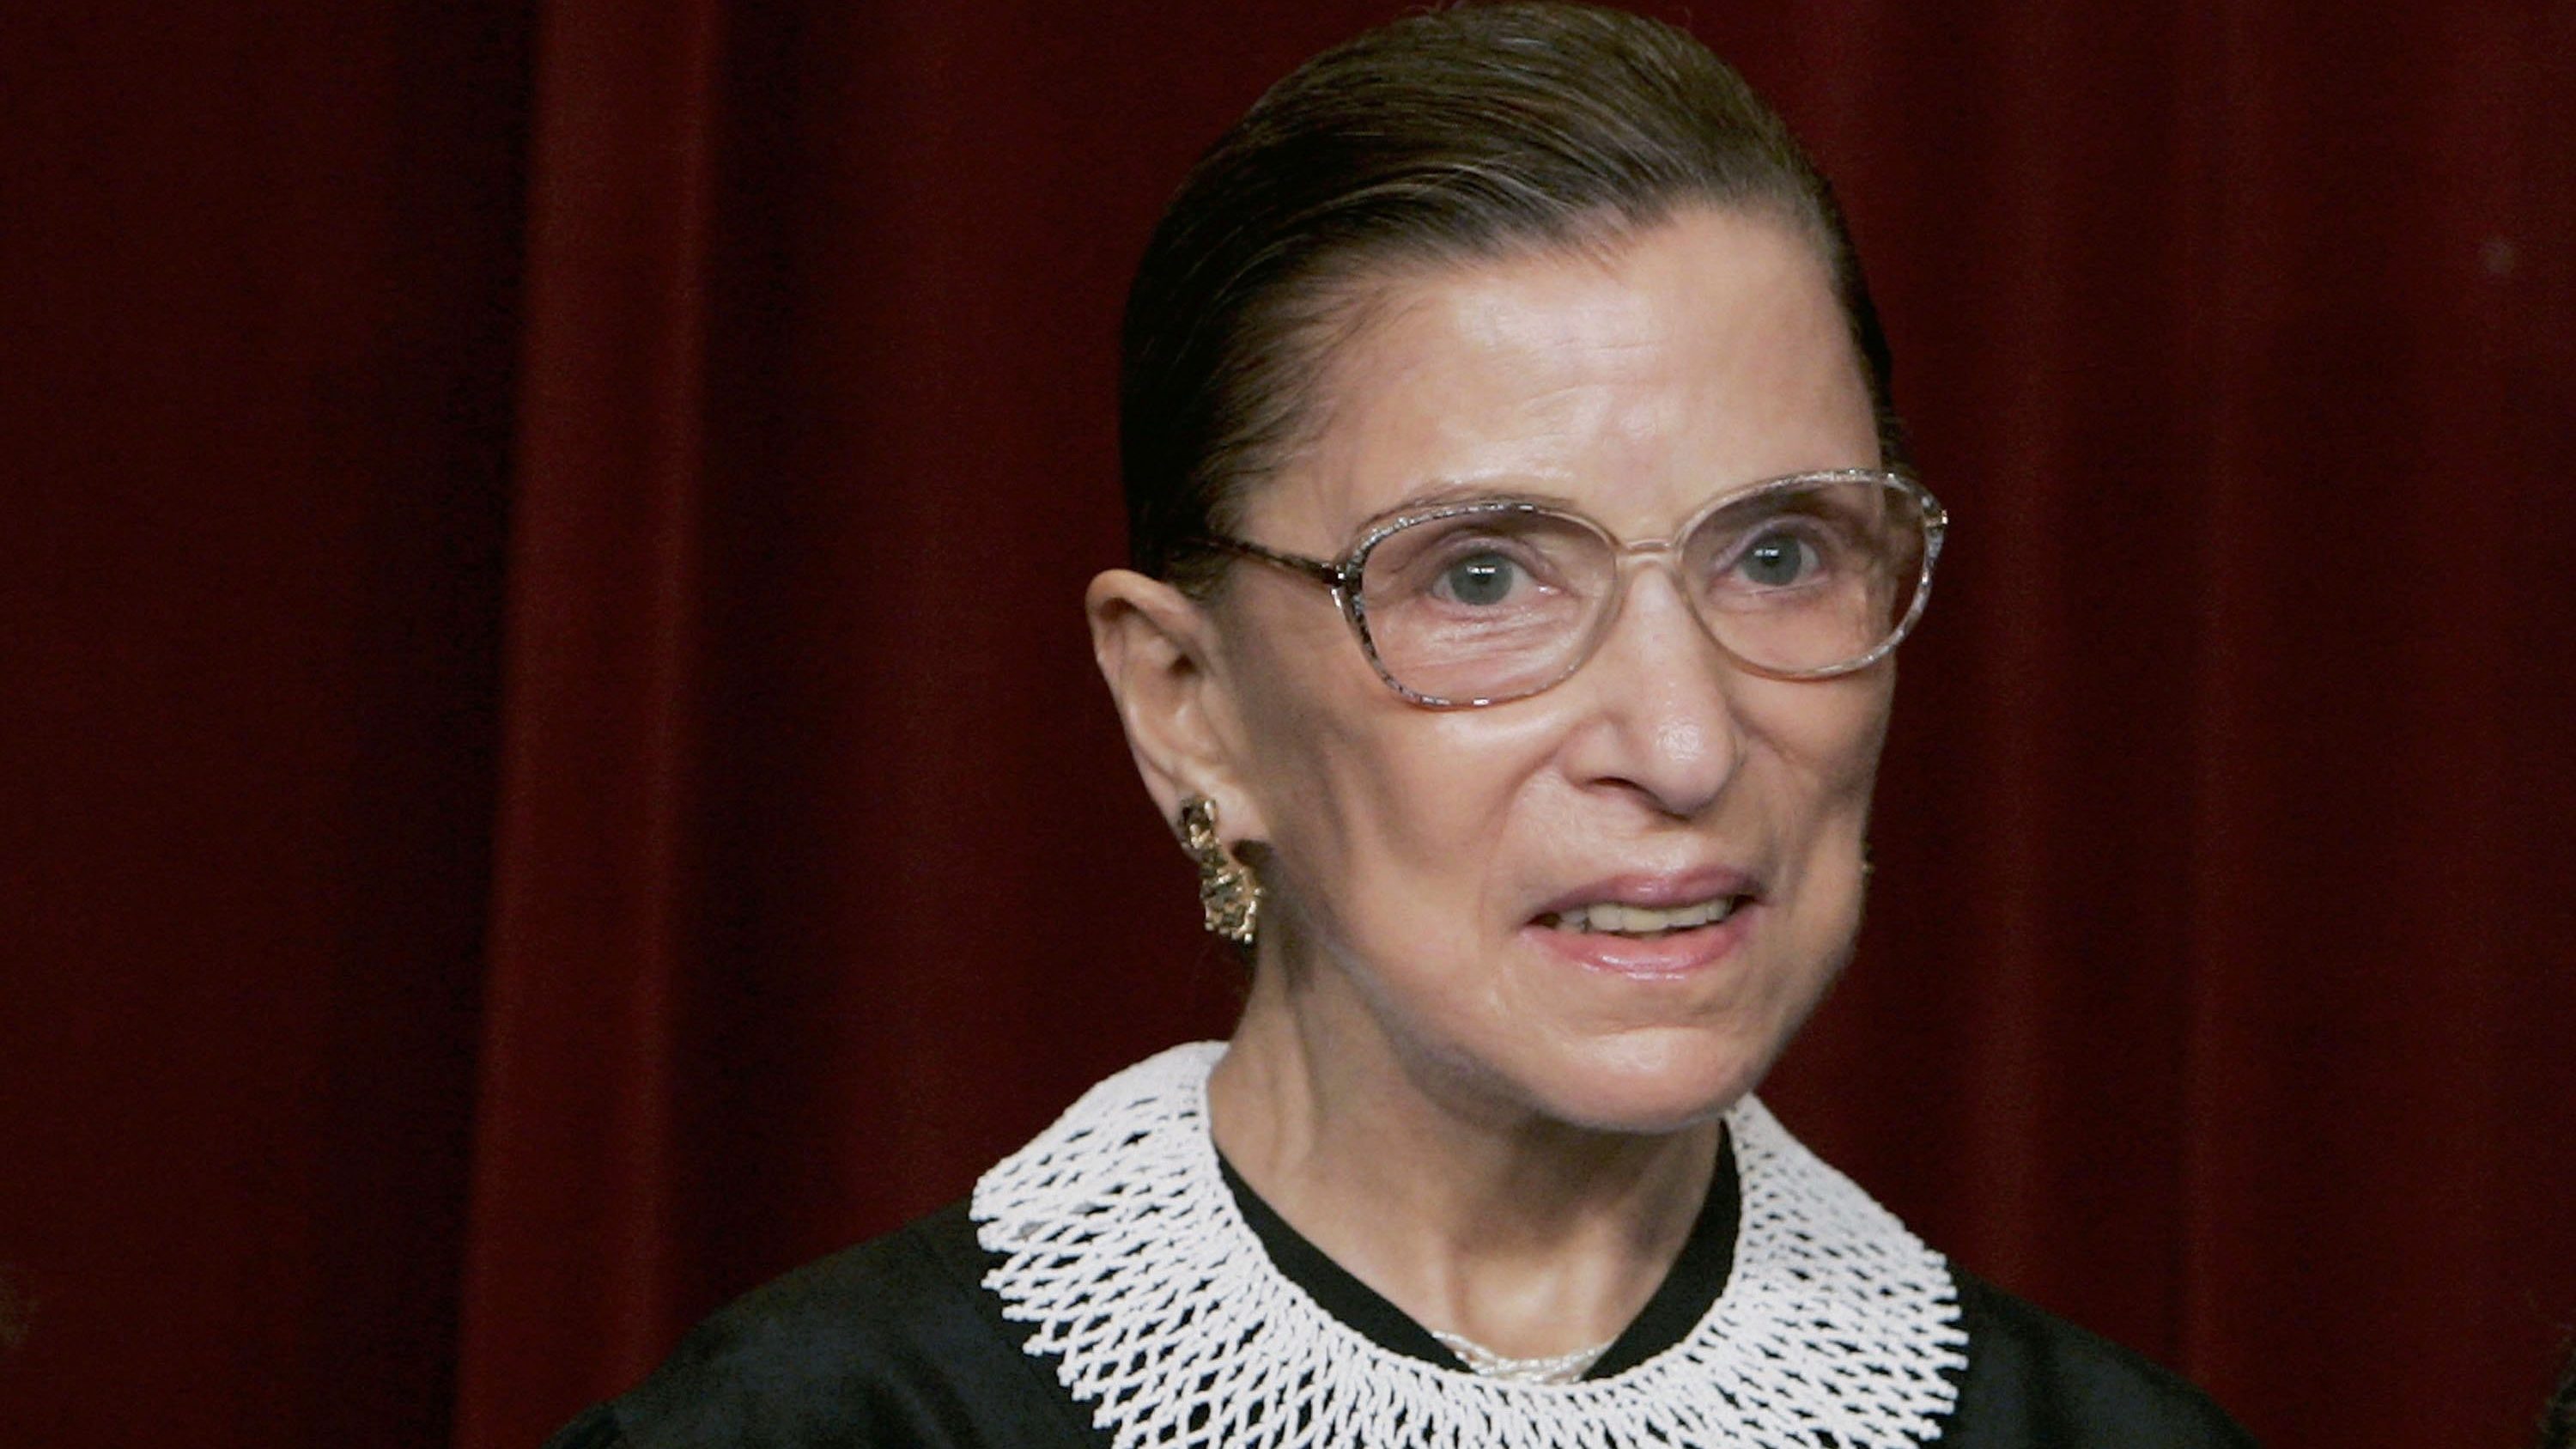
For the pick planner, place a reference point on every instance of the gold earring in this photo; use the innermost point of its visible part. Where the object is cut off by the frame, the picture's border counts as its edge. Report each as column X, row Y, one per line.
column 1228, row 892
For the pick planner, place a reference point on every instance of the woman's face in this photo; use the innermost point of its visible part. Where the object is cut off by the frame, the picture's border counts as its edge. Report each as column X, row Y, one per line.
column 1422, row 865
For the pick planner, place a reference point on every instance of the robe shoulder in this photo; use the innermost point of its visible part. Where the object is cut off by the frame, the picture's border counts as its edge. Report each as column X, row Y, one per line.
column 892, row 1342
column 2036, row 1381
column 895, row 1342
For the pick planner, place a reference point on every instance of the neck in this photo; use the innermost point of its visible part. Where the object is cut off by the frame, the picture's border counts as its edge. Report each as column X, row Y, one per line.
column 1475, row 1215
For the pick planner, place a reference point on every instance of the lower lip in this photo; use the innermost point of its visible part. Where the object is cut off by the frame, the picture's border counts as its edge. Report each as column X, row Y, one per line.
column 1669, row 956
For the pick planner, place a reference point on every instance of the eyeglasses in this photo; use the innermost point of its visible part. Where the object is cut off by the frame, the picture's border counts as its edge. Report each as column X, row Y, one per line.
column 1493, row 600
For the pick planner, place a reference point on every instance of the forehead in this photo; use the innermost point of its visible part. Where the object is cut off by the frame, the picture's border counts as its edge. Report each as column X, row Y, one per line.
column 1632, row 381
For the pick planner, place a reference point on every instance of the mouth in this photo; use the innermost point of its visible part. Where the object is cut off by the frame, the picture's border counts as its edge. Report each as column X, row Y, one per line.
column 1643, row 923
column 1652, row 927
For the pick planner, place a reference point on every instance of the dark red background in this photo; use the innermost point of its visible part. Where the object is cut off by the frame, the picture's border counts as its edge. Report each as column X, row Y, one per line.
column 552, row 769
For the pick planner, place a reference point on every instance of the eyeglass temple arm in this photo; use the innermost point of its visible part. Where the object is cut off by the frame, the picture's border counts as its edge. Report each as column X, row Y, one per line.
column 1331, row 576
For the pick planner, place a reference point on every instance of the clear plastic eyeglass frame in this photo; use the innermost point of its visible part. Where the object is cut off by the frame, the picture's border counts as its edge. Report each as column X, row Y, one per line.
column 1343, row 575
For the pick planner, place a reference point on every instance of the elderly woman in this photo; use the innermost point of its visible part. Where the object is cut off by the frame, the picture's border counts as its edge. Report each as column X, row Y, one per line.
column 1520, row 546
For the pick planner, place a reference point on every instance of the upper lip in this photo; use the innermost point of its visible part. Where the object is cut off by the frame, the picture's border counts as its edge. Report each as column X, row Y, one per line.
column 1657, row 890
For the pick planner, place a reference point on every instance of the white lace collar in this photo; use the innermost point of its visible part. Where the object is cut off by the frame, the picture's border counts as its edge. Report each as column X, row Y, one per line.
column 1122, row 1244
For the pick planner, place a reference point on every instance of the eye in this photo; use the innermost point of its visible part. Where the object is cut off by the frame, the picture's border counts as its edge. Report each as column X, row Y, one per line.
column 1480, row 579
column 1777, row 560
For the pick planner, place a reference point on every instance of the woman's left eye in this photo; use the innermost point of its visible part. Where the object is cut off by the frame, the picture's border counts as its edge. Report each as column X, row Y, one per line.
column 1777, row 560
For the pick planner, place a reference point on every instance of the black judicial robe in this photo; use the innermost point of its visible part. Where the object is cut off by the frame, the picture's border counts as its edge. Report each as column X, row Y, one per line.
column 897, row 1342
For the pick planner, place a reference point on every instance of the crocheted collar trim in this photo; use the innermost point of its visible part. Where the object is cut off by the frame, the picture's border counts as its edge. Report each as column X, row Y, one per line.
column 1120, row 1242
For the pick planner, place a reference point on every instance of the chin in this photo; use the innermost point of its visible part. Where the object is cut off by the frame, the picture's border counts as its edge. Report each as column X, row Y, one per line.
column 1654, row 1082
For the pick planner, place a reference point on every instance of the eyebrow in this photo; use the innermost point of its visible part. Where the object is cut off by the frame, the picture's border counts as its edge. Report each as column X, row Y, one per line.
column 1443, row 492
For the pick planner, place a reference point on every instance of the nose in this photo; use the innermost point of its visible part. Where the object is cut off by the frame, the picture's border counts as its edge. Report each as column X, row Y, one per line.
column 1660, row 719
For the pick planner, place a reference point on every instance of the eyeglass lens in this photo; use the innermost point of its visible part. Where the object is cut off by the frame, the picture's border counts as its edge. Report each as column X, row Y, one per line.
column 1495, row 602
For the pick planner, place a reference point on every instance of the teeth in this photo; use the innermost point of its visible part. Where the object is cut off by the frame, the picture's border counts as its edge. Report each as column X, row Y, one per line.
column 1610, row 916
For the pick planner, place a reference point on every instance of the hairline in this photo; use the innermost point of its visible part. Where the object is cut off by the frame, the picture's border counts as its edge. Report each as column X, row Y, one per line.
column 1348, row 294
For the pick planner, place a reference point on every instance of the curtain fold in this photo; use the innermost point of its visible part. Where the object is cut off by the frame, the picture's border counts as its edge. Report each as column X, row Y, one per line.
column 598, row 845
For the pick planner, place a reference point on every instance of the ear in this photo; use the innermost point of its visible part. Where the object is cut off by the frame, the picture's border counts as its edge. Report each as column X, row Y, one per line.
column 1161, row 654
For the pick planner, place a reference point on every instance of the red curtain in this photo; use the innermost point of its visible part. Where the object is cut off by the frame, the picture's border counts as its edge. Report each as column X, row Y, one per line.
column 553, row 769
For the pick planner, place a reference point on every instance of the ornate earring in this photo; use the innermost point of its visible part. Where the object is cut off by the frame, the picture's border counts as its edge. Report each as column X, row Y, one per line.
column 1228, row 891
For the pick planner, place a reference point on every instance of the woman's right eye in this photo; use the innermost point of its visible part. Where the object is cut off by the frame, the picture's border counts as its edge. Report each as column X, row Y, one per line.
column 1480, row 579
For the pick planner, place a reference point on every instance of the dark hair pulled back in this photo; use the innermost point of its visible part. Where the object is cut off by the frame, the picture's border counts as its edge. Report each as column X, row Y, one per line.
column 1459, row 135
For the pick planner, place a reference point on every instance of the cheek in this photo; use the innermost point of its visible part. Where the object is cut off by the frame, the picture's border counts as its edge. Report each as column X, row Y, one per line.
column 1825, row 734
column 1377, row 811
